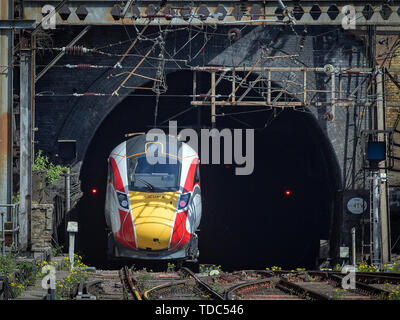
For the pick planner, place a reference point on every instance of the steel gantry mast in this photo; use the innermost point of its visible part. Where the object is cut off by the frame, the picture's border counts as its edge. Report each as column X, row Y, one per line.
column 6, row 103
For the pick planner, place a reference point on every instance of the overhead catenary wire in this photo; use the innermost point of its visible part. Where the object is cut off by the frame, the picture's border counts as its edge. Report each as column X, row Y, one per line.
column 153, row 37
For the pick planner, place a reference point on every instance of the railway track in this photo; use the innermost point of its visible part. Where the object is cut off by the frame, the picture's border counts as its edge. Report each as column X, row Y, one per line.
column 240, row 285
column 213, row 294
column 129, row 285
column 372, row 285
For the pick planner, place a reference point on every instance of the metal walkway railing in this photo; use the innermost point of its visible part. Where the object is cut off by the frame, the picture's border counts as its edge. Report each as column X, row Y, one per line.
column 9, row 225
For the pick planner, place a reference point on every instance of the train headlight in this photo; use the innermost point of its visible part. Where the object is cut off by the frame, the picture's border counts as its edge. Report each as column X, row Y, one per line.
column 183, row 201
column 123, row 200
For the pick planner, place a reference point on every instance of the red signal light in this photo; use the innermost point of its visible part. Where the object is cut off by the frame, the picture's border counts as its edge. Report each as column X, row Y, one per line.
column 288, row 193
column 94, row 191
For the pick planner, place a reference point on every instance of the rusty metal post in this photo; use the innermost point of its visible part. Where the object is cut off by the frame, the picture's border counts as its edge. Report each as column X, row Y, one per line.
column 269, row 88
column 213, row 110
column 333, row 95
column 194, row 99
column 305, row 87
column 6, row 103
column 233, row 86
column 26, row 90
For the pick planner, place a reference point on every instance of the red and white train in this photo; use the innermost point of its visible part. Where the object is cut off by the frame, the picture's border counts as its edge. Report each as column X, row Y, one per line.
column 153, row 210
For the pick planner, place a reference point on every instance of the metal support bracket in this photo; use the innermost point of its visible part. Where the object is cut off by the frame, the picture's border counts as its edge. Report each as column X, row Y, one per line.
column 17, row 24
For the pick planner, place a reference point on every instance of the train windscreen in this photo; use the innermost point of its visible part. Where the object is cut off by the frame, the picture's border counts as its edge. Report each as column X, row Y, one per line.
column 146, row 177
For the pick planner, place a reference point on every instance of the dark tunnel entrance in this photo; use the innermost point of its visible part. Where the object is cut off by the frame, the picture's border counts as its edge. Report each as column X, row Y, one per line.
column 248, row 222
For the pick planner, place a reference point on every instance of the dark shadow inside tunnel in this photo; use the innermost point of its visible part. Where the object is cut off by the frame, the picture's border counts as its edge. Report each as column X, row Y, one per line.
column 248, row 221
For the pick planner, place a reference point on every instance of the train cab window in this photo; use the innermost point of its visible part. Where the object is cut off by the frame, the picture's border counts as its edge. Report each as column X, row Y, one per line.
column 110, row 175
column 146, row 177
column 197, row 174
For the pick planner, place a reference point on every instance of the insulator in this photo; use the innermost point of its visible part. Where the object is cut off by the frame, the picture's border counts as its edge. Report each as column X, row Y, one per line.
column 75, row 50
column 157, row 15
column 86, row 66
column 328, row 116
column 303, row 39
column 234, row 34
column 88, row 94
column 81, row 66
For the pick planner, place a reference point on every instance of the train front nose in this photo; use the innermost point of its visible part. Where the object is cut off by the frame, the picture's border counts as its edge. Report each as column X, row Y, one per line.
column 154, row 216
column 153, row 234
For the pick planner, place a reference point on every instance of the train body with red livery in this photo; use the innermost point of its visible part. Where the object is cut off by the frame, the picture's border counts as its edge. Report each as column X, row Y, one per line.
column 153, row 209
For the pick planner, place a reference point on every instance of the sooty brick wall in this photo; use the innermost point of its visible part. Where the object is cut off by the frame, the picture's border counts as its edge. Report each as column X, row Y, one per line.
column 59, row 115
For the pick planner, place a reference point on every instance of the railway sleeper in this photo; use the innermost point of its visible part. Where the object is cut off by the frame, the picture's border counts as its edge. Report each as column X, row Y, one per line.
column 129, row 285
column 245, row 288
column 363, row 288
column 298, row 290
column 84, row 292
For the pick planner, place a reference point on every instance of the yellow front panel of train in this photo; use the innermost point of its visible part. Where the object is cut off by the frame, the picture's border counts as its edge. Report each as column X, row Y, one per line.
column 153, row 216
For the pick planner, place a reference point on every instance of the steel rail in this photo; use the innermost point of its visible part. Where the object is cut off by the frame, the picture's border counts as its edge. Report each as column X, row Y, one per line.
column 146, row 294
column 291, row 287
column 361, row 287
column 92, row 284
column 84, row 290
column 373, row 278
column 369, row 277
column 392, row 277
column 259, row 283
column 264, row 273
column 128, row 283
column 214, row 294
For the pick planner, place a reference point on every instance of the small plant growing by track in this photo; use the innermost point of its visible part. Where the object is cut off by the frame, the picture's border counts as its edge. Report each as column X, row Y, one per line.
column 132, row 268
column 338, row 268
column 210, row 269
column 65, row 288
column 394, row 293
column 338, row 294
column 307, row 296
column 57, row 250
column 21, row 273
column 170, row 267
column 273, row 268
column 393, row 267
column 311, row 279
column 143, row 278
column 7, row 264
column 53, row 172
column 365, row 267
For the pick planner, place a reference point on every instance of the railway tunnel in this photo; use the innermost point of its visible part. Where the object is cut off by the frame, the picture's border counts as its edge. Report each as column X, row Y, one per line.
column 248, row 221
